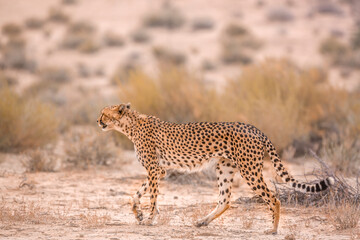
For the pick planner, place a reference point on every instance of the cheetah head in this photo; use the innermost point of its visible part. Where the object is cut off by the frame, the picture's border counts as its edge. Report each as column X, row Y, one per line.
column 115, row 118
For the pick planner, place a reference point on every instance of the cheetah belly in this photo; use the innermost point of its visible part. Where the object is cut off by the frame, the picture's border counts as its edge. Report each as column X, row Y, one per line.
column 183, row 161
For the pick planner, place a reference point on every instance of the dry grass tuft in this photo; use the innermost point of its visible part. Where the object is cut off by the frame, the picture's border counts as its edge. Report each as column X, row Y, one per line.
column 81, row 36
column 292, row 99
column 280, row 14
column 201, row 24
column 28, row 212
column 39, row 161
column 140, row 36
column 238, row 45
column 11, row 30
column 94, row 219
column 173, row 95
column 14, row 55
column 338, row 194
column 168, row 17
column 344, row 216
column 34, row 23
column 55, row 74
column 91, row 149
column 24, row 123
column 57, row 15
column 169, row 56
column 113, row 40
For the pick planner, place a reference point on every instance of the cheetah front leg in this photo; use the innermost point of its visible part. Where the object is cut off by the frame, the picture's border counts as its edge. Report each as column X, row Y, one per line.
column 225, row 174
column 136, row 200
column 153, row 181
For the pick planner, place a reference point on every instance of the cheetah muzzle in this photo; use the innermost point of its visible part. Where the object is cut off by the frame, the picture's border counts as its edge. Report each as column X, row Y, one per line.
column 237, row 147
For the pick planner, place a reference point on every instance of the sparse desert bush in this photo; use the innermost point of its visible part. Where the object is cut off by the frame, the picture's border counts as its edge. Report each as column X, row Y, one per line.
column 340, row 54
column 173, row 95
column 11, row 30
column 6, row 80
column 343, row 155
column 291, row 99
column 208, row 65
column 24, row 123
column 328, row 7
column 167, row 17
column 280, row 14
column 236, row 30
column 237, row 45
column 91, row 149
column 140, row 36
column 166, row 55
column 55, row 74
column 81, row 36
column 57, row 15
column 34, row 23
column 355, row 39
column 39, row 161
column 83, row 70
column 113, row 40
column 203, row 23
column 26, row 212
column 344, row 216
column 15, row 54
column 69, row 2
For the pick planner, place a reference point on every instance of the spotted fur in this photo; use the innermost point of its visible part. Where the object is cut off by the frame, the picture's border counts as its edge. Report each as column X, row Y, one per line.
column 237, row 147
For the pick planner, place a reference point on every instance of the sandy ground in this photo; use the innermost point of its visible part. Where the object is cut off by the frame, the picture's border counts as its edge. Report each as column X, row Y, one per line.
column 94, row 204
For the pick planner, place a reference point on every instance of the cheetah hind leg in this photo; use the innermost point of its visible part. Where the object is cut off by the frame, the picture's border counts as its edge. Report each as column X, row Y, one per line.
column 225, row 173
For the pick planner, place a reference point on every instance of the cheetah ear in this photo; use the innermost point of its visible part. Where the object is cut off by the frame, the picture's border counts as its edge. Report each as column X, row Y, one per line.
column 127, row 105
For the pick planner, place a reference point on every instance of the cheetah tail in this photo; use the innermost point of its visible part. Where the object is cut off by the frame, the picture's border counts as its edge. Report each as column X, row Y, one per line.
column 283, row 173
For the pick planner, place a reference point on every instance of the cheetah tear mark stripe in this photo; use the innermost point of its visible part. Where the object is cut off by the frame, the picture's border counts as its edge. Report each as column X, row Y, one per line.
column 283, row 173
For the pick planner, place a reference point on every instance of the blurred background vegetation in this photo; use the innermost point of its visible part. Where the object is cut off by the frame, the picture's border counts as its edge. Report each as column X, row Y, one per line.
column 289, row 67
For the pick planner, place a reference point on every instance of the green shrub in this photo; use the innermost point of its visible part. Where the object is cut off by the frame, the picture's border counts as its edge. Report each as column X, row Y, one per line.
column 24, row 123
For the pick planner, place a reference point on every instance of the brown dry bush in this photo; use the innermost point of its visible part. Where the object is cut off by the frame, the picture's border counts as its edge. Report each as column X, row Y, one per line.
column 166, row 55
column 140, row 36
column 24, row 123
column 203, row 23
column 34, row 23
column 14, row 53
column 81, row 36
column 237, row 45
column 167, row 17
column 55, row 74
column 28, row 212
column 344, row 216
column 173, row 95
column 11, row 30
column 282, row 100
column 280, row 14
column 113, row 40
column 57, row 15
column 39, row 161
column 91, row 149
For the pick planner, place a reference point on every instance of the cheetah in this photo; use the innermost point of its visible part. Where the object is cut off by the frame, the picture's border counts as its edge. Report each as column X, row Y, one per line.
column 237, row 147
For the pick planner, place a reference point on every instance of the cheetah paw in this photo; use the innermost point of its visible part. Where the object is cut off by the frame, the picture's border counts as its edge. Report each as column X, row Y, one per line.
column 139, row 216
column 147, row 222
column 271, row 232
column 201, row 223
